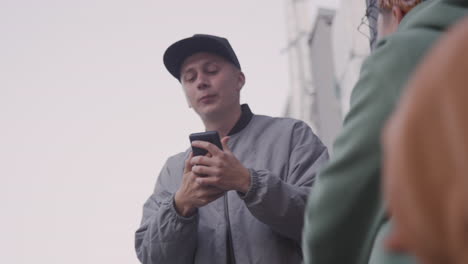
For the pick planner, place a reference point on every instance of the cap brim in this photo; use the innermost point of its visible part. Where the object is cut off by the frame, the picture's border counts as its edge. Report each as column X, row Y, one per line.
column 176, row 54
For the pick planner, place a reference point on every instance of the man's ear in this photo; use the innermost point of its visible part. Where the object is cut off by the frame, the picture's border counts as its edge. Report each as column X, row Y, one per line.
column 397, row 14
column 241, row 80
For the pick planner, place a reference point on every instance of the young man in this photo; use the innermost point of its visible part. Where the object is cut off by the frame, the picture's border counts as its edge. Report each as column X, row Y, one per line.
column 242, row 204
column 426, row 153
column 346, row 221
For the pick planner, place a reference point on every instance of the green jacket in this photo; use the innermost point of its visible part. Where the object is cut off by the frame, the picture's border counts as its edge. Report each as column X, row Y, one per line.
column 345, row 212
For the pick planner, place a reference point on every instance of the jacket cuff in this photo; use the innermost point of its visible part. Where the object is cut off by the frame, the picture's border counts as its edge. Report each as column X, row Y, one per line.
column 176, row 215
column 254, row 186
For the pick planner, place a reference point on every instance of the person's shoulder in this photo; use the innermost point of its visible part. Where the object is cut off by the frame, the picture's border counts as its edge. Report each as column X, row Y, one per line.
column 278, row 120
column 421, row 26
column 269, row 124
column 434, row 15
column 177, row 159
column 385, row 71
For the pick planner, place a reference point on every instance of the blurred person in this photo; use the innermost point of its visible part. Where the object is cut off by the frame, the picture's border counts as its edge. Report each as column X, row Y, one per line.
column 242, row 204
column 346, row 221
column 426, row 157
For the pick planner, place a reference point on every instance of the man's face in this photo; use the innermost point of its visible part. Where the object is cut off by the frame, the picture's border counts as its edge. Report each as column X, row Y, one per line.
column 212, row 85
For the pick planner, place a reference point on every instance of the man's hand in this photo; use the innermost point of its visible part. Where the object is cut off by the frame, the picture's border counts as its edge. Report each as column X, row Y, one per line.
column 221, row 168
column 192, row 195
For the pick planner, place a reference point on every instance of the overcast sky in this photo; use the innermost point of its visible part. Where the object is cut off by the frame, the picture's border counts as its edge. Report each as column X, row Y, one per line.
column 89, row 114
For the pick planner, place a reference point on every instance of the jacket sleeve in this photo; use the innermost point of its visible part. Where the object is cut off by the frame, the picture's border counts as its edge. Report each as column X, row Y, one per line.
column 279, row 200
column 164, row 236
column 345, row 209
column 345, row 204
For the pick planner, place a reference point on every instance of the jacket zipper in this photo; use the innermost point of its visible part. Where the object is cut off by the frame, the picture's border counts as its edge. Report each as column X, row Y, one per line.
column 230, row 248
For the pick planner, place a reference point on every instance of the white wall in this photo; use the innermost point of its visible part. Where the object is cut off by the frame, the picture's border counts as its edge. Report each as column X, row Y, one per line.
column 348, row 50
column 301, row 17
column 350, row 47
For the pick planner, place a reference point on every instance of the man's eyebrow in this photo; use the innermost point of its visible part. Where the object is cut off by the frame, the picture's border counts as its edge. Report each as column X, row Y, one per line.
column 187, row 70
column 207, row 63
column 212, row 62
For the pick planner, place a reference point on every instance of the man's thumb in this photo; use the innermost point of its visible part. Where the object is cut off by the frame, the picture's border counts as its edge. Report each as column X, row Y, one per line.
column 224, row 142
column 188, row 167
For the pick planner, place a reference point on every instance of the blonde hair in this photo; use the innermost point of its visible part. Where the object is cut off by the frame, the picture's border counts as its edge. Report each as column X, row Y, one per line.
column 405, row 5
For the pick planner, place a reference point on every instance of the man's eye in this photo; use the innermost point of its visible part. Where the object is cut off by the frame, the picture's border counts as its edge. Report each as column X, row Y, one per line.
column 212, row 70
column 189, row 78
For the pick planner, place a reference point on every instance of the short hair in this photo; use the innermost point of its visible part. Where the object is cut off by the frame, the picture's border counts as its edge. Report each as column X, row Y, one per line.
column 405, row 5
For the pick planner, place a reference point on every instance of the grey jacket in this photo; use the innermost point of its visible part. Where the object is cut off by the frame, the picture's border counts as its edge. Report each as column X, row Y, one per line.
column 263, row 226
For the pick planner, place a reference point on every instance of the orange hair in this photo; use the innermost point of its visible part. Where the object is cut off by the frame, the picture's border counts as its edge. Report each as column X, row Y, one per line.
column 405, row 5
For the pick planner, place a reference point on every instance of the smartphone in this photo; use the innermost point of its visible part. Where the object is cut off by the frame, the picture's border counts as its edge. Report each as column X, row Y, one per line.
column 210, row 136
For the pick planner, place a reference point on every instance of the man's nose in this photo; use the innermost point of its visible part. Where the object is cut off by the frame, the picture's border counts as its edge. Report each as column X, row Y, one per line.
column 203, row 82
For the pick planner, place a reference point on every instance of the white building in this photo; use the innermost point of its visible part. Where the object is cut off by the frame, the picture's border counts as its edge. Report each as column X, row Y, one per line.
column 325, row 51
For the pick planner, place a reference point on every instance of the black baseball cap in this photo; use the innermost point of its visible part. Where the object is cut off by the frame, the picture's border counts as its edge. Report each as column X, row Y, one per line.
column 176, row 54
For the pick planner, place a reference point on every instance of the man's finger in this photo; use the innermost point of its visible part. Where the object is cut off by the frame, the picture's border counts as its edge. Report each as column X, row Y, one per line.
column 188, row 166
column 203, row 160
column 224, row 143
column 211, row 148
column 208, row 181
column 205, row 170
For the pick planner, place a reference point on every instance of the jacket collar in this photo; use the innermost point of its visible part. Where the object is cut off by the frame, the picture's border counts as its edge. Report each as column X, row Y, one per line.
column 243, row 121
